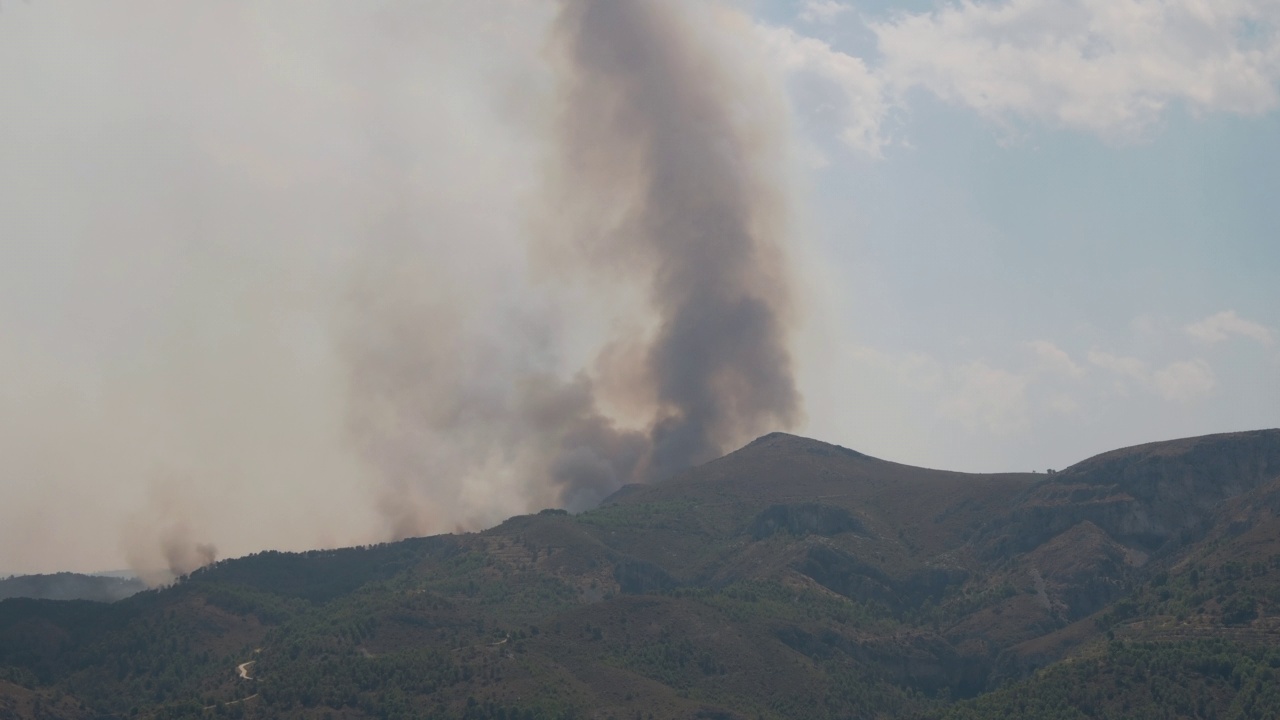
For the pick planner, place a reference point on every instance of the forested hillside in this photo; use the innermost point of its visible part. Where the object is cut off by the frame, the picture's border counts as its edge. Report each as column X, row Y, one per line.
column 790, row 579
column 70, row 586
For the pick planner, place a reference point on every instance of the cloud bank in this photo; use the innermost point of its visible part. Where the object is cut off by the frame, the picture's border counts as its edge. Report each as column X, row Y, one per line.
column 1113, row 69
column 1220, row 327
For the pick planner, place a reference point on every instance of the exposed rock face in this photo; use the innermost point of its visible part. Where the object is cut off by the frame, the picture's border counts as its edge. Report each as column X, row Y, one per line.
column 1084, row 536
column 1146, row 496
column 1080, row 571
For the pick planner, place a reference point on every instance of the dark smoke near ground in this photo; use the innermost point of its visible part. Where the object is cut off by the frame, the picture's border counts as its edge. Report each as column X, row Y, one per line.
column 662, row 185
column 175, row 553
column 650, row 123
column 184, row 556
column 301, row 275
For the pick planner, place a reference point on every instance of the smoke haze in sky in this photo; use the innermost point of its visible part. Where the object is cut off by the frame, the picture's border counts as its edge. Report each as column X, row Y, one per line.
column 661, row 206
column 295, row 275
column 306, row 273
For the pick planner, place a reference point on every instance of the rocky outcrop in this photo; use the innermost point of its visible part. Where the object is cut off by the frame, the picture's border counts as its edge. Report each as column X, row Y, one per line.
column 1146, row 496
column 1081, row 570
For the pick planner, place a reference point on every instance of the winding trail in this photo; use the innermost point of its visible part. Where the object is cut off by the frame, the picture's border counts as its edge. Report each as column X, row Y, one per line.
column 243, row 670
column 233, row 702
column 501, row 642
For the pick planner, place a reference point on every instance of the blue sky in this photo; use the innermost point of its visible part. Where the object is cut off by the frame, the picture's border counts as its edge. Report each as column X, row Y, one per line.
column 1025, row 232
column 1047, row 268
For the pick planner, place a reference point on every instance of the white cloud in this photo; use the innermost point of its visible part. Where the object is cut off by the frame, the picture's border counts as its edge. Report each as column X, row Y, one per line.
column 854, row 92
column 915, row 371
column 1220, row 327
column 1184, row 381
column 1110, row 67
column 986, row 397
column 1107, row 66
column 1128, row 367
column 1062, row 403
column 823, row 11
column 996, row 401
column 974, row 395
column 1181, row 381
column 1053, row 359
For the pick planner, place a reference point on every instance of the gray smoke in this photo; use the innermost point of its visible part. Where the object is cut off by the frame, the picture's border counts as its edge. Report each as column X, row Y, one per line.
column 158, row 555
column 298, row 275
column 663, row 200
column 652, row 124
column 182, row 555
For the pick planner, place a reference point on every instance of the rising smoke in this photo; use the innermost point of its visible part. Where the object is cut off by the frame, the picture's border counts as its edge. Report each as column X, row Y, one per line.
column 288, row 276
column 663, row 180
column 656, row 124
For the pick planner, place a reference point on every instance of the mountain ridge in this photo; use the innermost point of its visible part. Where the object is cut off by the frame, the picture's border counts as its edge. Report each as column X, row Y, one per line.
column 790, row 578
column 69, row 586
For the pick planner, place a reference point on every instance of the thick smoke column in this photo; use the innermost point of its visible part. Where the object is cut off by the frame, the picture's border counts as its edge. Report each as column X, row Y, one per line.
column 663, row 206
column 289, row 276
column 656, row 132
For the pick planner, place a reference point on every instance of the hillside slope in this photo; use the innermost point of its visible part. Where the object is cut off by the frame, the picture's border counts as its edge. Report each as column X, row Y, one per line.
column 70, row 586
column 791, row 578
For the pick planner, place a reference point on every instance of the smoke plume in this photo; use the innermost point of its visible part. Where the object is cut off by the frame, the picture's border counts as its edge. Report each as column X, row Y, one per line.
column 662, row 189
column 656, row 132
column 282, row 275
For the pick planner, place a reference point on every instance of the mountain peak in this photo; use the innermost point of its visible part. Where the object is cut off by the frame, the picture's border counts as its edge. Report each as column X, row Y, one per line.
column 790, row 571
column 788, row 443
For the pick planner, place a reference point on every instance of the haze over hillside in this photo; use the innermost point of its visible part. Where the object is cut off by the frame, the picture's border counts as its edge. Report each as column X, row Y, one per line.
column 437, row 387
column 70, row 586
column 790, row 578
column 478, row 306
column 296, row 275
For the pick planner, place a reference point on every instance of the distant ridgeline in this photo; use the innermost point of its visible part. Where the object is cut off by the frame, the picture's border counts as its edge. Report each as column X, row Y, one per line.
column 70, row 586
column 789, row 579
